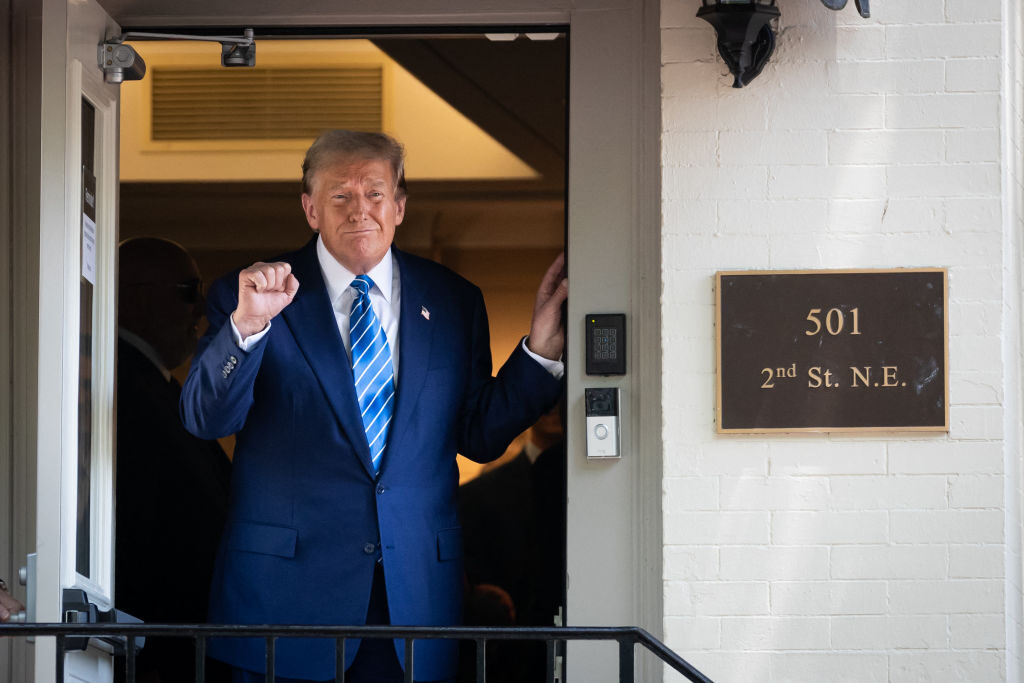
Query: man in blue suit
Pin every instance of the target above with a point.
(343, 494)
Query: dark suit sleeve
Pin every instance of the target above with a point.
(499, 408)
(218, 393)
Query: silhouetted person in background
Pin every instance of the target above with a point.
(513, 520)
(172, 488)
(488, 605)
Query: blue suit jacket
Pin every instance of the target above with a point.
(308, 517)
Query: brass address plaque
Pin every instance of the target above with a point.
(833, 350)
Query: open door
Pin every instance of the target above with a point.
(72, 567)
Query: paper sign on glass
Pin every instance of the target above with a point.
(89, 249)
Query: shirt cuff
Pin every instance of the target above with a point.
(250, 341)
(555, 367)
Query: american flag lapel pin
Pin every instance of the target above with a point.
(424, 312)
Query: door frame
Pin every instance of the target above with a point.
(46, 213)
(614, 191)
(21, 238)
(8, 564)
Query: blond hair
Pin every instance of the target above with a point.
(334, 145)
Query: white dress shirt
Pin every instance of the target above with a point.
(385, 298)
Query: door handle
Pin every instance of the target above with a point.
(27, 578)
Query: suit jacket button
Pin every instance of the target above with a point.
(370, 548)
(380, 489)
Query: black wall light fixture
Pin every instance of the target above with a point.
(863, 6)
(745, 36)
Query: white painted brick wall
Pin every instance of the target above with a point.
(966, 665)
(1013, 349)
(864, 143)
(972, 631)
(916, 561)
(833, 597)
(890, 632)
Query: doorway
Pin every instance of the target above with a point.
(484, 119)
(614, 513)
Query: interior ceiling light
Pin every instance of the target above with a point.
(508, 37)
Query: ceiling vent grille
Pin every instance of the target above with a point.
(264, 104)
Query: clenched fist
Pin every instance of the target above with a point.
(264, 289)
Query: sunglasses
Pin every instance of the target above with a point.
(189, 291)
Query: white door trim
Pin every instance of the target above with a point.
(8, 557)
(25, 72)
(85, 81)
(69, 29)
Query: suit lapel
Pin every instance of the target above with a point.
(415, 334)
(311, 321)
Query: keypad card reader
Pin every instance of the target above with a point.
(606, 344)
(602, 406)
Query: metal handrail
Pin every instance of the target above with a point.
(627, 637)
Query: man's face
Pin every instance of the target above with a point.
(354, 208)
(161, 300)
(184, 311)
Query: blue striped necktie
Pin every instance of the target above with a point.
(372, 368)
